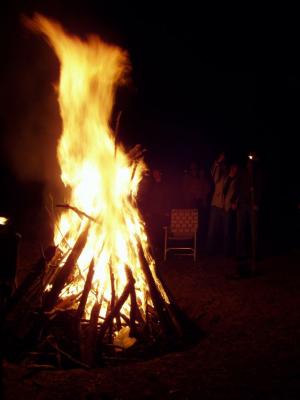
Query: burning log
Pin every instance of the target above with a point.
(34, 276)
(86, 290)
(159, 304)
(134, 310)
(89, 346)
(114, 311)
(77, 211)
(64, 273)
(117, 131)
(112, 302)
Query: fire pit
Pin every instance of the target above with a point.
(95, 295)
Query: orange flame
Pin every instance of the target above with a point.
(102, 177)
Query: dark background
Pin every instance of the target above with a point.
(204, 79)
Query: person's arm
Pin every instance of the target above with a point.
(217, 168)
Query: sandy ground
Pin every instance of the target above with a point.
(250, 348)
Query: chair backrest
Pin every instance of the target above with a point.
(184, 221)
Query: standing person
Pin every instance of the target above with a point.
(215, 226)
(248, 205)
(230, 194)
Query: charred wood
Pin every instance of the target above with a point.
(51, 297)
(159, 303)
(89, 341)
(78, 212)
(35, 275)
(114, 312)
(86, 290)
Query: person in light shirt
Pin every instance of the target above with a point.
(216, 218)
(230, 195)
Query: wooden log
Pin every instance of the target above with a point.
(174, 312)
(170, 311)
(53, 344)
(51, 297)
(78, 212)
(159, 303)
(114, 312)
(86, 291)
(126, 319)
(51, 270)
(118, 320)
(133, 303)
(112, 300)
(89, 345)
(134, 309)
(117, 132)
(32, 277)
(148, 326)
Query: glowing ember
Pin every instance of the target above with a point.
(102, 220)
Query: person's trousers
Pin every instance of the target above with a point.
(247, 234)
(215, 227)
(229, 232)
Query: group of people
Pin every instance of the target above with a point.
(235, 207)
(228, 201)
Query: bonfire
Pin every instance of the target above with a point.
(99, 280)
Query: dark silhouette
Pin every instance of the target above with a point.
(230, 197)
(216, 218)
(248, 206)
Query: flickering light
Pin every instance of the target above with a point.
(3, 220)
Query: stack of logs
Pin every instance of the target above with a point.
(37, 321)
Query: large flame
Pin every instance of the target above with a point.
(102, 178)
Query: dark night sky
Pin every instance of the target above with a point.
(203, 79)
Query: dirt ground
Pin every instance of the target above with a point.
(250, 348)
